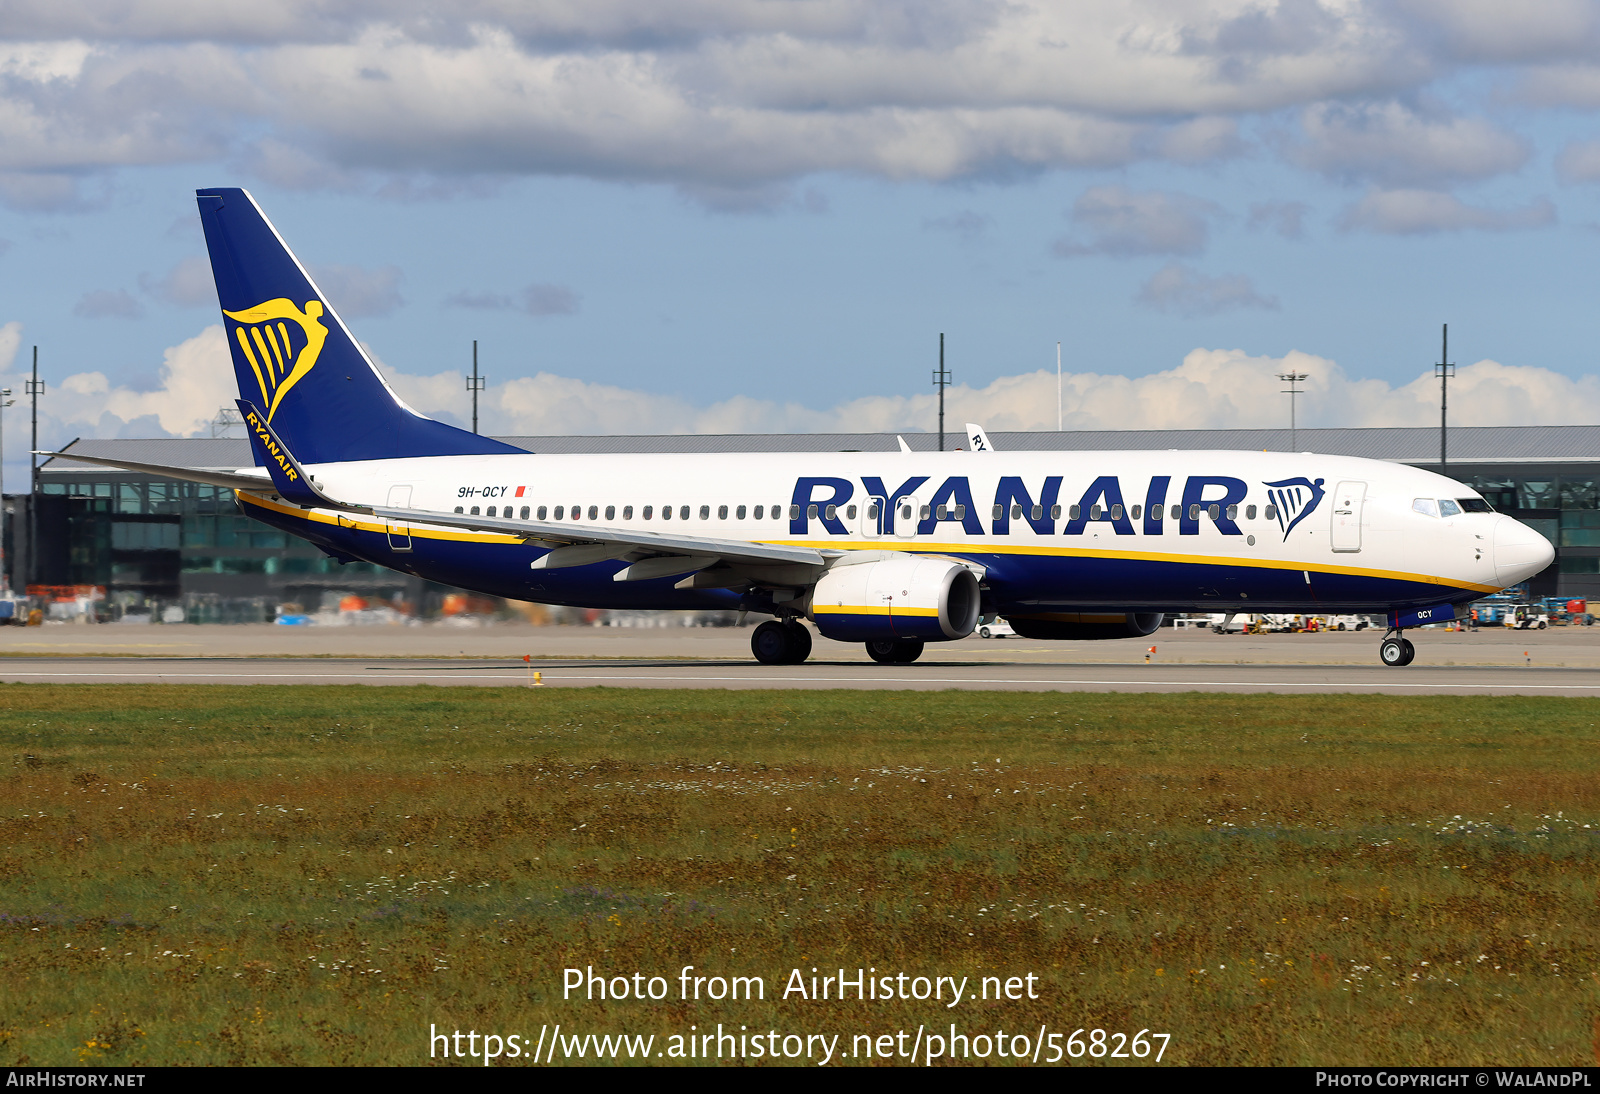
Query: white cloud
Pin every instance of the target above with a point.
(1209, 389)
(1396, 146)
(1422, 212)
(1579, 162)
(108, 304)
(1185, 290)
(356, 291)
(1489, 31)
(1123, 224)
(728, 97)
(1287, 218)
(549, 300)
(188, 284)
(194, 380)
(535, 300)
(966, 224)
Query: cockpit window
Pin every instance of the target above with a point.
(1474, 505)
(1448, 508)
(1426, 506)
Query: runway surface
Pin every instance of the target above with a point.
(1555, 662)
(1290, 664)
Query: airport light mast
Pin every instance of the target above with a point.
(1293, 379)
(1444, 369)
(941, 380)
(474, 385)
(5, 401)
(34, 389)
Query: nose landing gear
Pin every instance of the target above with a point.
(1395, 651)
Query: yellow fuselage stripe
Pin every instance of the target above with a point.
(341, 520)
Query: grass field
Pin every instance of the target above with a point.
(314, 875)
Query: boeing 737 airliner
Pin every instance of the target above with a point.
(890, 550)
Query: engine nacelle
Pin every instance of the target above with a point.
(901, 596)
(1086, 625)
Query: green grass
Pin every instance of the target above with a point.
(314, 875)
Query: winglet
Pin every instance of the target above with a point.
(288, 477)
(903, 446)
(978, 438)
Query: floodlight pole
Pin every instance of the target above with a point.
(941, 380)
(475, 385)
(35, 389)
(1444, 369)
(1293, 379)
(1058, 388)
(5, 401)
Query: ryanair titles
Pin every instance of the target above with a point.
(918, 507)
(270, 445)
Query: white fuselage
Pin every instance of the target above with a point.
(1236, 530)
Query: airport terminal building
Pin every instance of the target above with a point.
(182, 548)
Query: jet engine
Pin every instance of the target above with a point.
(895, 596)
(1085, 625)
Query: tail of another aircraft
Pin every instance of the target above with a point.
(294, 358)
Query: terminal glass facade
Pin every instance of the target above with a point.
(184, 550)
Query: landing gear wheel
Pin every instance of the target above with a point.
(881, 650)
(800, 642)
(908, 650)
(1394, 653)
(772, 643)
(1411, 651)
(894, 651)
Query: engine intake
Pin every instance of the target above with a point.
(1086, 625)
(901, 596)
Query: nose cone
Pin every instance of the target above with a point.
(1519, 551)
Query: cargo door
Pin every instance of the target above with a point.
(1348, 499)
(399, 534)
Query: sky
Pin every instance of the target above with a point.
(748, 215)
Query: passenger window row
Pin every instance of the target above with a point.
(648, 512)
(941, 512)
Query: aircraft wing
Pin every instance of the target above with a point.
(232, 480)
(613, 543)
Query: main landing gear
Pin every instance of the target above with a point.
(894, 651)
(785, 643)
(1396, 652)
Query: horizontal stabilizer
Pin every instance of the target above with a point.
(231, 480)
(288, 477)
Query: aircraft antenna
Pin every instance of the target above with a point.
(1444, 369)
(941, 380)
(474, 385)
(1293, 379)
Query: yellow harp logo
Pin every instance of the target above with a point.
(281, 342)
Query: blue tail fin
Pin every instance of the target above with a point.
(294, 358)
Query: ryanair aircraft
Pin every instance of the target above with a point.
(892, 550)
